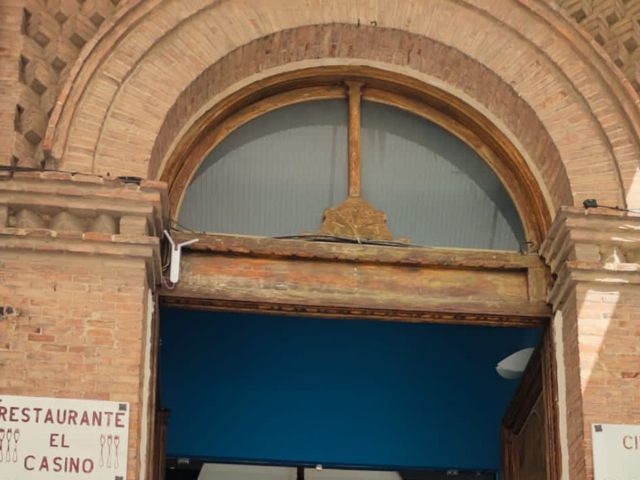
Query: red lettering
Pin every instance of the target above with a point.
(74, 465)
(59, 464)
(37, 410)
(120, 420)
(61, 417)
(85, 418)
(97, 419)
(13, 414)
(57, 440)
(72, 417)
(26, 459)
(3, 414)
(25, 415)
(108, 415)
(87, 465)
(49, 417)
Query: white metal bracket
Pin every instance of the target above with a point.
(176, 252)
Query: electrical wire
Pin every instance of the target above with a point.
(593, 203)
(314, 237)
(182, 228)
(17, 168)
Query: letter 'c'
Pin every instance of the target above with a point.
(26, 459)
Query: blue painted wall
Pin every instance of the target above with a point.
(336, 392)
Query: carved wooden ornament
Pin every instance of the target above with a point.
(355, 218)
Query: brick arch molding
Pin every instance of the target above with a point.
(156, 67)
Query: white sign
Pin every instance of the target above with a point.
(57, 438)
(616, 452)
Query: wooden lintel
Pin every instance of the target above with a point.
(251, 274)
(353, 252)
(389, 315)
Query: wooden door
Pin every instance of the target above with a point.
(529, 437)
(160, 443)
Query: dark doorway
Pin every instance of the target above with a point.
(421, 399)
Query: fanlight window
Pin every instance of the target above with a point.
(277, 174)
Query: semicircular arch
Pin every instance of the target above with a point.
(157, 67)
(380, 86)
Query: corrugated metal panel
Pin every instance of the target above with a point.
(277, 174)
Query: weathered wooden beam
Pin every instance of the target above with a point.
(378, 254)
(317, 278)
(355, 163)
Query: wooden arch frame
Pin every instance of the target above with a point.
(311, 84)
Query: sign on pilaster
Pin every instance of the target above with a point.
(56, 438)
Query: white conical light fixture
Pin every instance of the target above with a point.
(514, 365)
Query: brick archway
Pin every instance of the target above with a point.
(159, 65)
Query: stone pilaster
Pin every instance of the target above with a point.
(80, 263)
(594, 257)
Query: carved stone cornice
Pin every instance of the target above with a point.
(84, 214)
(587, 246)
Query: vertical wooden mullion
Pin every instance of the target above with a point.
(355, 165)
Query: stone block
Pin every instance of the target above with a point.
(42, 27)
(4, 216)
(60, 53)
(78, 30)
(29, 219)
(587, 252)
(97, 11)
(62, 10)
(24, 151)
(134, 225)
(103, 224)
(65, 221)
(34, 123)
(38, 76)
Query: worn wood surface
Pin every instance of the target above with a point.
(529, 427)
(356, 280)
(408, 255)
(355, 160)
(531, 445)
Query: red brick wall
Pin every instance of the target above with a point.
(595, 257)
(78, 333)
(609, 346)
(10, 46)
(573, 407)
(511, 52)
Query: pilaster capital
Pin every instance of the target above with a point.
(56, 212)
(587, 246)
